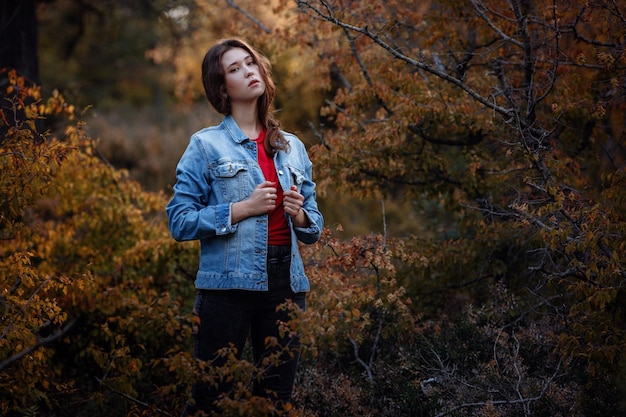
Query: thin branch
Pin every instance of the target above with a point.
(379, 332)
(319, 135)
(382, 205)
(343, 111)
(594, 42)
(128, 397)
(366, 367)
(41, 341)
(23, 308)
(523, 401)
(364, 70)
(411, 61)
(553, 72)
(479, 11)
(619, 13)
(247, 14)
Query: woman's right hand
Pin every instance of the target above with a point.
(261, 201)
(263, 198)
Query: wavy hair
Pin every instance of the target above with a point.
(215, 89)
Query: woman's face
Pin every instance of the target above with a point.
(242, 78)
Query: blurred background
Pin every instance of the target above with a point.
(132, 69)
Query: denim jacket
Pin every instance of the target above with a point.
(218, 168)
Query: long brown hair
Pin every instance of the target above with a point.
(215, 89)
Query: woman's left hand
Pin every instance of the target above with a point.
(292, 202)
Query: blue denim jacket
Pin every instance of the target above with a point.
(218, 168)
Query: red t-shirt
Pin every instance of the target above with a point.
(278, 231)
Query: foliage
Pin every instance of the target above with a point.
(506, 119)
(498, 124)
(372, 352)
(91, 281)
(108, 335)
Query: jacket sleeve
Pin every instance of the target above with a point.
(189, 214)
(312, 233)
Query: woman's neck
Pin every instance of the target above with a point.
(247, 120)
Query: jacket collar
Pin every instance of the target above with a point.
(233, 129)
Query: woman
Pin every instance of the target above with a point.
(244, 190)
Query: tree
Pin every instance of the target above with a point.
(511, 115)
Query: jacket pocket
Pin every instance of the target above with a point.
(233, 180)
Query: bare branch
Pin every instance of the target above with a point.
(595, 42)
(41, 341)
(319, 135)
(411, 61)
(247, 14)
(357, 358)
(361, 64)
(479, 8)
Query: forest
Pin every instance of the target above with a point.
(470, 161)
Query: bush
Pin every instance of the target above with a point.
(95, 292)
(96, 301)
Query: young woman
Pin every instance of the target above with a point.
(244, 190)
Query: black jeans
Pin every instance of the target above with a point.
(228, 316)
